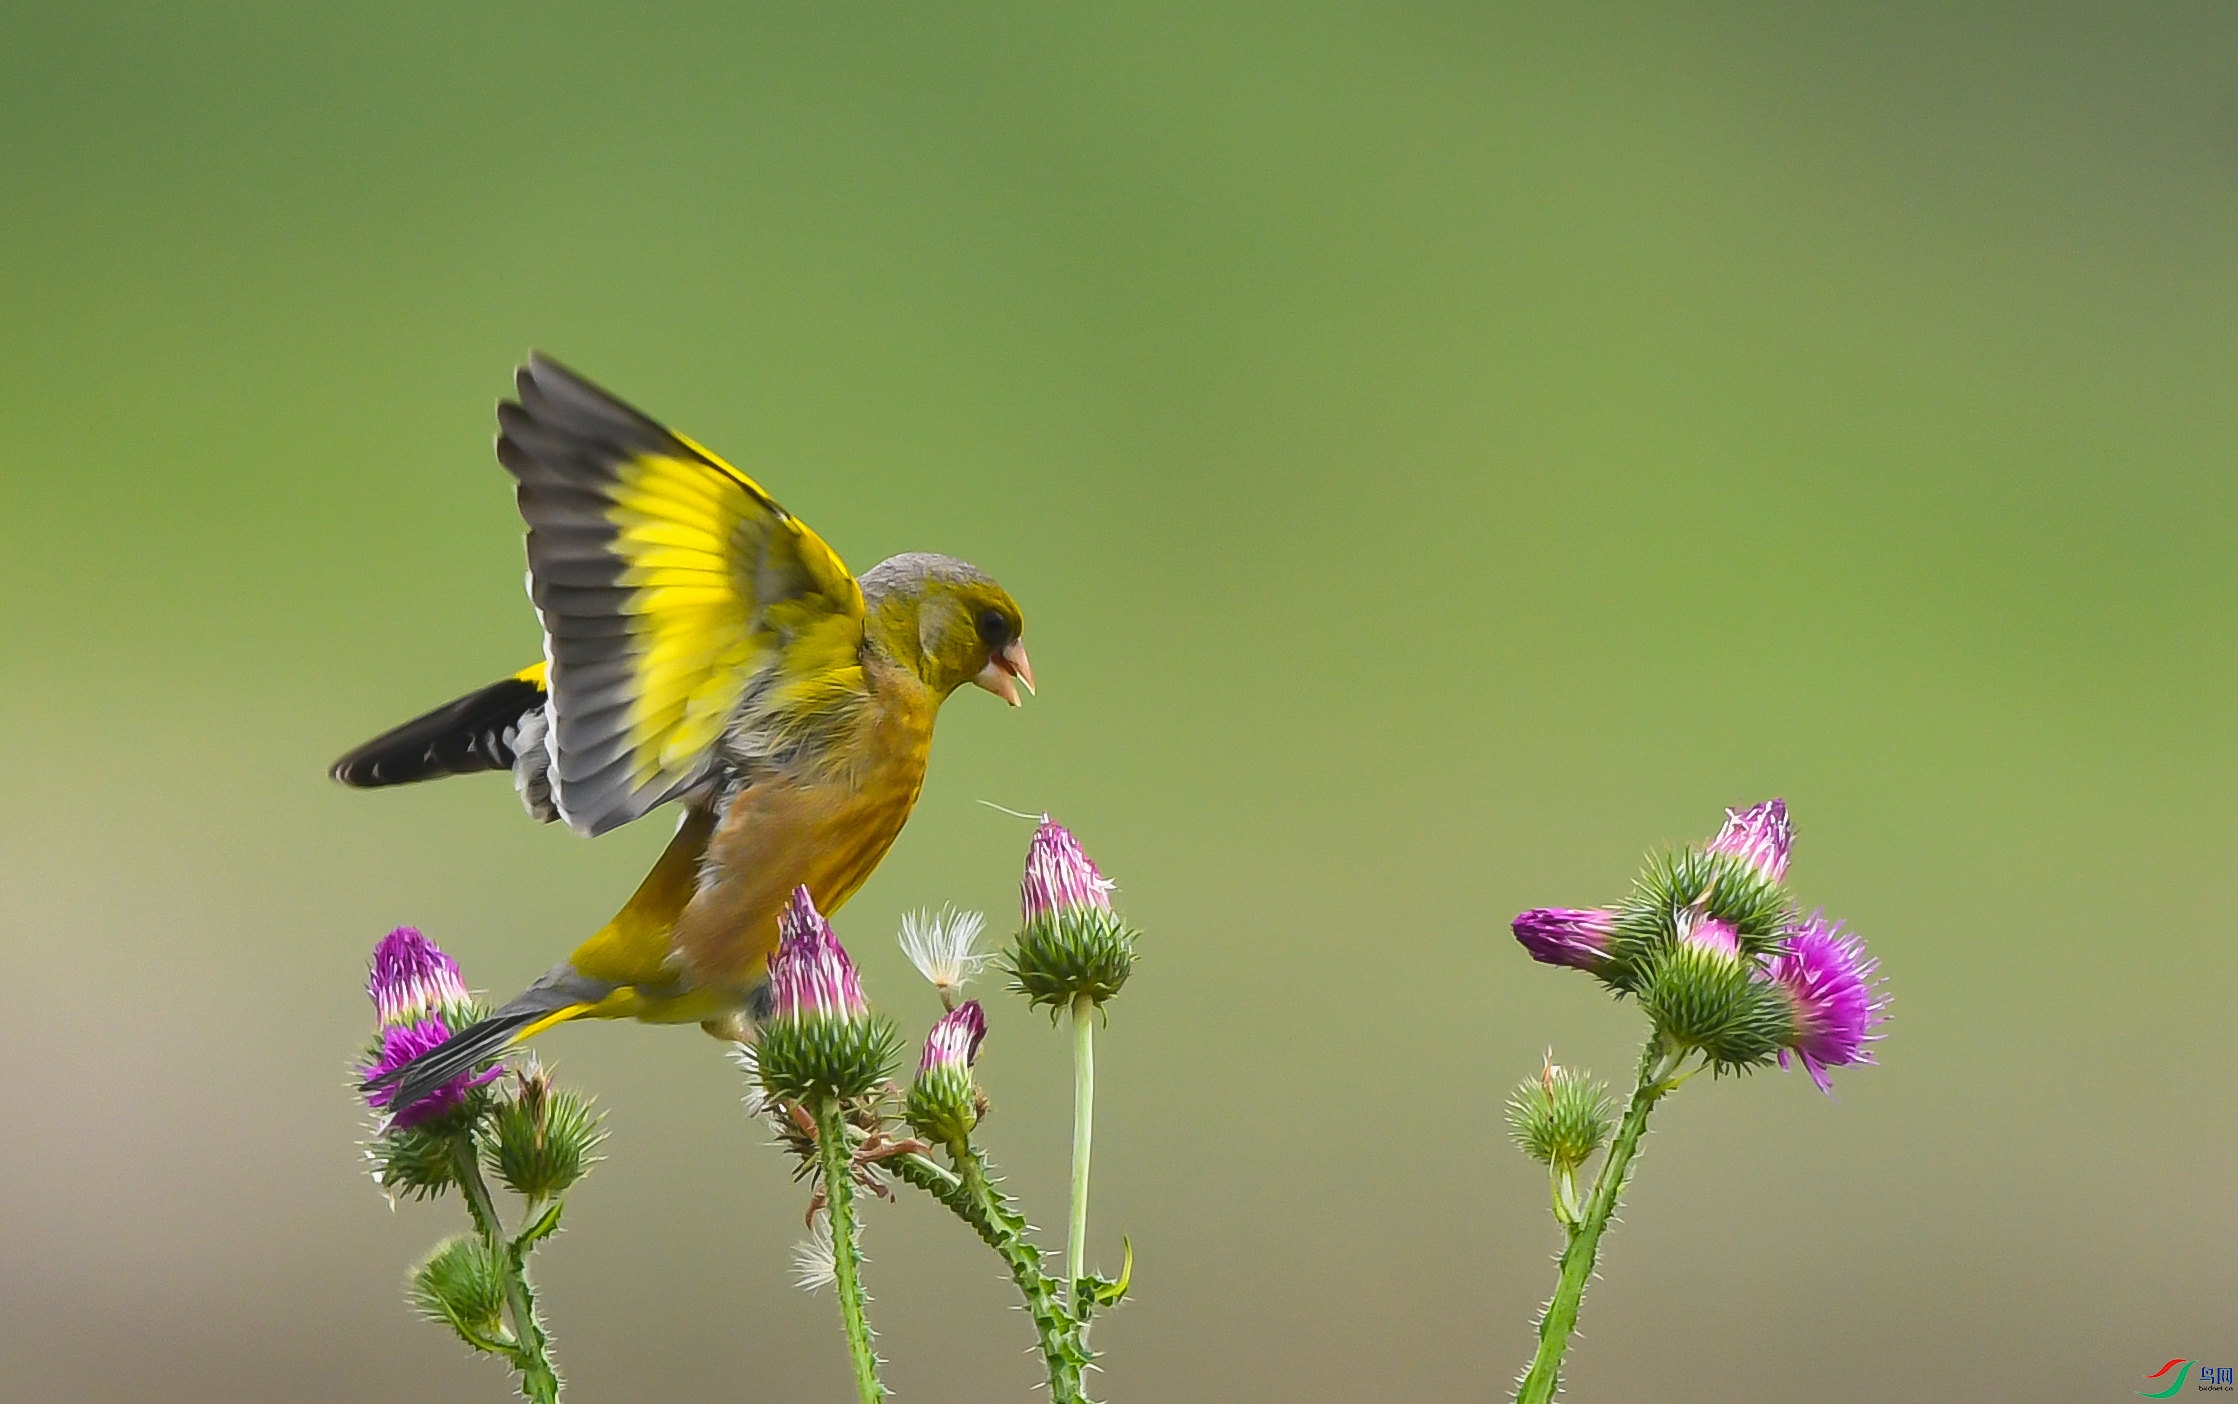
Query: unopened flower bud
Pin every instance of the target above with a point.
(545, 1137)
(459, 1284)
(1701, 995)
(1760, 837)
(1059, 877)
(821, 1039)
(943, 1105)
(1568, 936)
(415, 1162)
(1560, 1117)
(1070, 945)
(418, 1000)
(1714, 935)
(411, 979)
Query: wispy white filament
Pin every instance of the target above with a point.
(749, 1060)
(813, 1264)
(943, 945)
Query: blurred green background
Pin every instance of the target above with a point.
(1442, 452)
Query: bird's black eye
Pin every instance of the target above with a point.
(994, 628)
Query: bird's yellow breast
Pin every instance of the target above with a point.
(825, 822)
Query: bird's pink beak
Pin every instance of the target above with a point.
(1005, 670)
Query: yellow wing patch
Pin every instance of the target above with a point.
(697, 640)
(668, 582)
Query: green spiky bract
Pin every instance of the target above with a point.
(1715, 885)
(542, 1143)
(414, 1161)
(1082, 951)
(1706, 999)
(941, 1106)
(461, 1285)
(803, 1059)
(1560, 1118)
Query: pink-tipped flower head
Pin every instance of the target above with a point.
(954, 1042)
(1837, 1002)
(810, 976)
(1568, 936)
(1710, 933)
(412, 980)
(1071, 945)
(820, 1039)
(1059, 877)
(1759, 837)
(943, 1105)
(400, 1044)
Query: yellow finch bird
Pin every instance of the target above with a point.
(702, 646)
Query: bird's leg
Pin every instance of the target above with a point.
(733, 1027)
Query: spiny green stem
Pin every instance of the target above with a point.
(1083, 1132)
(1539, 1383)
(846, 1258)
(529, 1352)
(970, 1194)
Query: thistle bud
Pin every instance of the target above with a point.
(1760, 837)
(415, 1162)
(1717, 902)
(821, 1039)
(1560, 1117)
(1567, 936)
(459, 1284)
(1059, 877)
(1070, 943)
(943, 1105)
(1833, 998)
(418, 998)
(545, 1137)
(411, 980)
(1714, 935)
(1701, 994)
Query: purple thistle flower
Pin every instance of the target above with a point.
(400, 1044)
(1567, 936)
(1710, 933)
(1759, 837)
(1829, 981)
(953, 1044)
(412, 979)
(1059, 877)
(810, 976)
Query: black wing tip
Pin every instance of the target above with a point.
(547, 392)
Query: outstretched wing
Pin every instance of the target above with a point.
(667, 581)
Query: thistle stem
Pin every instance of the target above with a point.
(529, 1351)
(1656, 1065)
(970, 1194)
(1083, 1132)
(846, 1256)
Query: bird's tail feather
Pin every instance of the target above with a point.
(480, 731)
(555, 999)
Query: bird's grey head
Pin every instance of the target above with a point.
(949, 621)
(912, 571)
